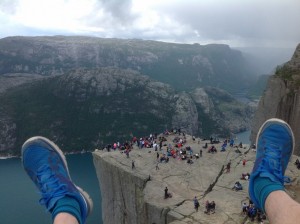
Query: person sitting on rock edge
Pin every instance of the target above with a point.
(237, 186)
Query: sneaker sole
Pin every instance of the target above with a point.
(87, 199)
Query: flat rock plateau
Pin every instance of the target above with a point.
(137, 195)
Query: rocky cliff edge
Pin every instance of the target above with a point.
(136, 196)
(281, 99)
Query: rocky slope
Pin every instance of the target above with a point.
(281, 98)
(137, 196)
(219, 112)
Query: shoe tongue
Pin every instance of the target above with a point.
(272, 151)
(45, 177)
(269, 176)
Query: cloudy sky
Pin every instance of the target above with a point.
(253, 23)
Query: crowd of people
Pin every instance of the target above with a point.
(253, 213)
(210, 207)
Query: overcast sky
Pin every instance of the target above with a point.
(254, 23)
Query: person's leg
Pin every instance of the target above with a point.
(281, 208)
(47, 167)
(65, 218)
(275, 145)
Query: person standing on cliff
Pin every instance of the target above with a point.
(47, 167)
(166, 193)
(228, 167)
(127, 153)
(196, 203)
(132, 165)
(160, 145)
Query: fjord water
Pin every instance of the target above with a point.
(19, 197)
(243, 137)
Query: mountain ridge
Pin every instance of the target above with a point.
(184, 66)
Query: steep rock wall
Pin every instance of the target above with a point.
(121, 195)
(281, 99)
(124, 201)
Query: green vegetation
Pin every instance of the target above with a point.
(288, 73)
(285, 72)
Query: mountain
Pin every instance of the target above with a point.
(281, 98)
(183, 66)
(85, 92)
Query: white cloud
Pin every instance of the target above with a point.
(54, 14)
(235, 22)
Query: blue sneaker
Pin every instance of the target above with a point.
(275, 144)
(47, 167)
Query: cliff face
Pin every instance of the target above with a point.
(123, 193)
(281, 98)
(220, 112)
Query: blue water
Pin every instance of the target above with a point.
(19, 197)
(243, 137)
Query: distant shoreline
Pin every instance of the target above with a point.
(8, 157)
(4, 157)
